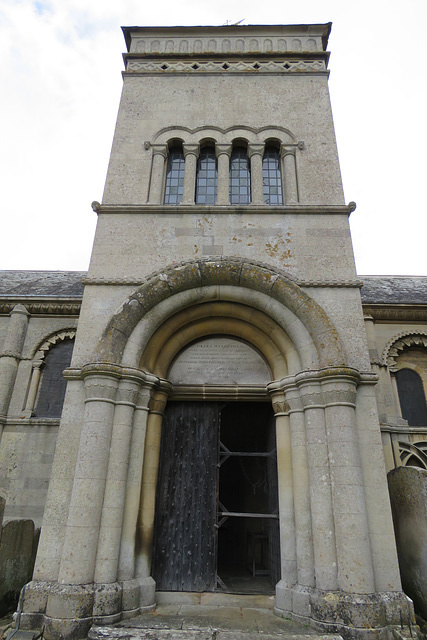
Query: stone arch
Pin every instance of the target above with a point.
(50, 341)
(235, 272)
(399, 343)
(219, 318)
(410, 452)
(218, 134)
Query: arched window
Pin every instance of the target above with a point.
(240, 177)
(53, 384)
(412, 397)
(272, 176)
(207, 177)
(174, 186)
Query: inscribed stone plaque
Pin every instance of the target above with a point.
(219, 361)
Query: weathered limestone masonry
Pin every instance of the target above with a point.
(38, 311)
(266, 262)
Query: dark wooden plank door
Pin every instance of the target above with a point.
(184, 553)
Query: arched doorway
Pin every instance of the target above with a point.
(216, 524)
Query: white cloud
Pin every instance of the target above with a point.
(60, 79)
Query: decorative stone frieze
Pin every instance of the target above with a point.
(150, 45)
(225, 66)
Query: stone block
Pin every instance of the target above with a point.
(408, 496)
(18, 545)
(147, 590)
(107, 601)
(69, 601)
(130, 595)
(36, 594)
(70, 628)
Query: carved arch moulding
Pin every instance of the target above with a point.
(225, 136)
(399, 343)
(53, 339)
(230, 272)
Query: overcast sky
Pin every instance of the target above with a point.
(60, 83)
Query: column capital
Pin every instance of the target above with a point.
(193, 149)
(223, 148)
(286, 150)
(255, 149)
(159, 399)
(160, 150)
(279, 404)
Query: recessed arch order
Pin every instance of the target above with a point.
(254, 285)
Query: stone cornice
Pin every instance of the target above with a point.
(227, 39)
(134, 282)
(397, 313)
(43, 307)
(116, 371)
(224, 209)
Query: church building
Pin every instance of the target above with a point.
(233, 393)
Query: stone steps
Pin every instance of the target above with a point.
(221, 617)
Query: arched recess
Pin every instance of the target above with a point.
(188, 325)
(223, 274)
(220, 318)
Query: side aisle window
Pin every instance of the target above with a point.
(411, 397)
(53, 384)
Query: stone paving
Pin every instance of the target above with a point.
(207, 622)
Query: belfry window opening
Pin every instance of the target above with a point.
(174, 186)
(207, 176)
(272, 176)
(240, 177)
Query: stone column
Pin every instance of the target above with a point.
(289, 175)
(149, 483)
(286, 504)
(128, 549)
(383, 544)
(160, 153)
(55, 514)
(34, 385)
(69, 608)
(255, 153)
(324, 550)
(191, 153)
(223, 153)
(10, 357)
(355, 571)
(84, 518)
(108, 601)
(302, 510)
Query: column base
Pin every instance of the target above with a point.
(354, 616)
(67, 611)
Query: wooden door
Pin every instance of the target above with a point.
(184, 553)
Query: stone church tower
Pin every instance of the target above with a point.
(220, 411)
